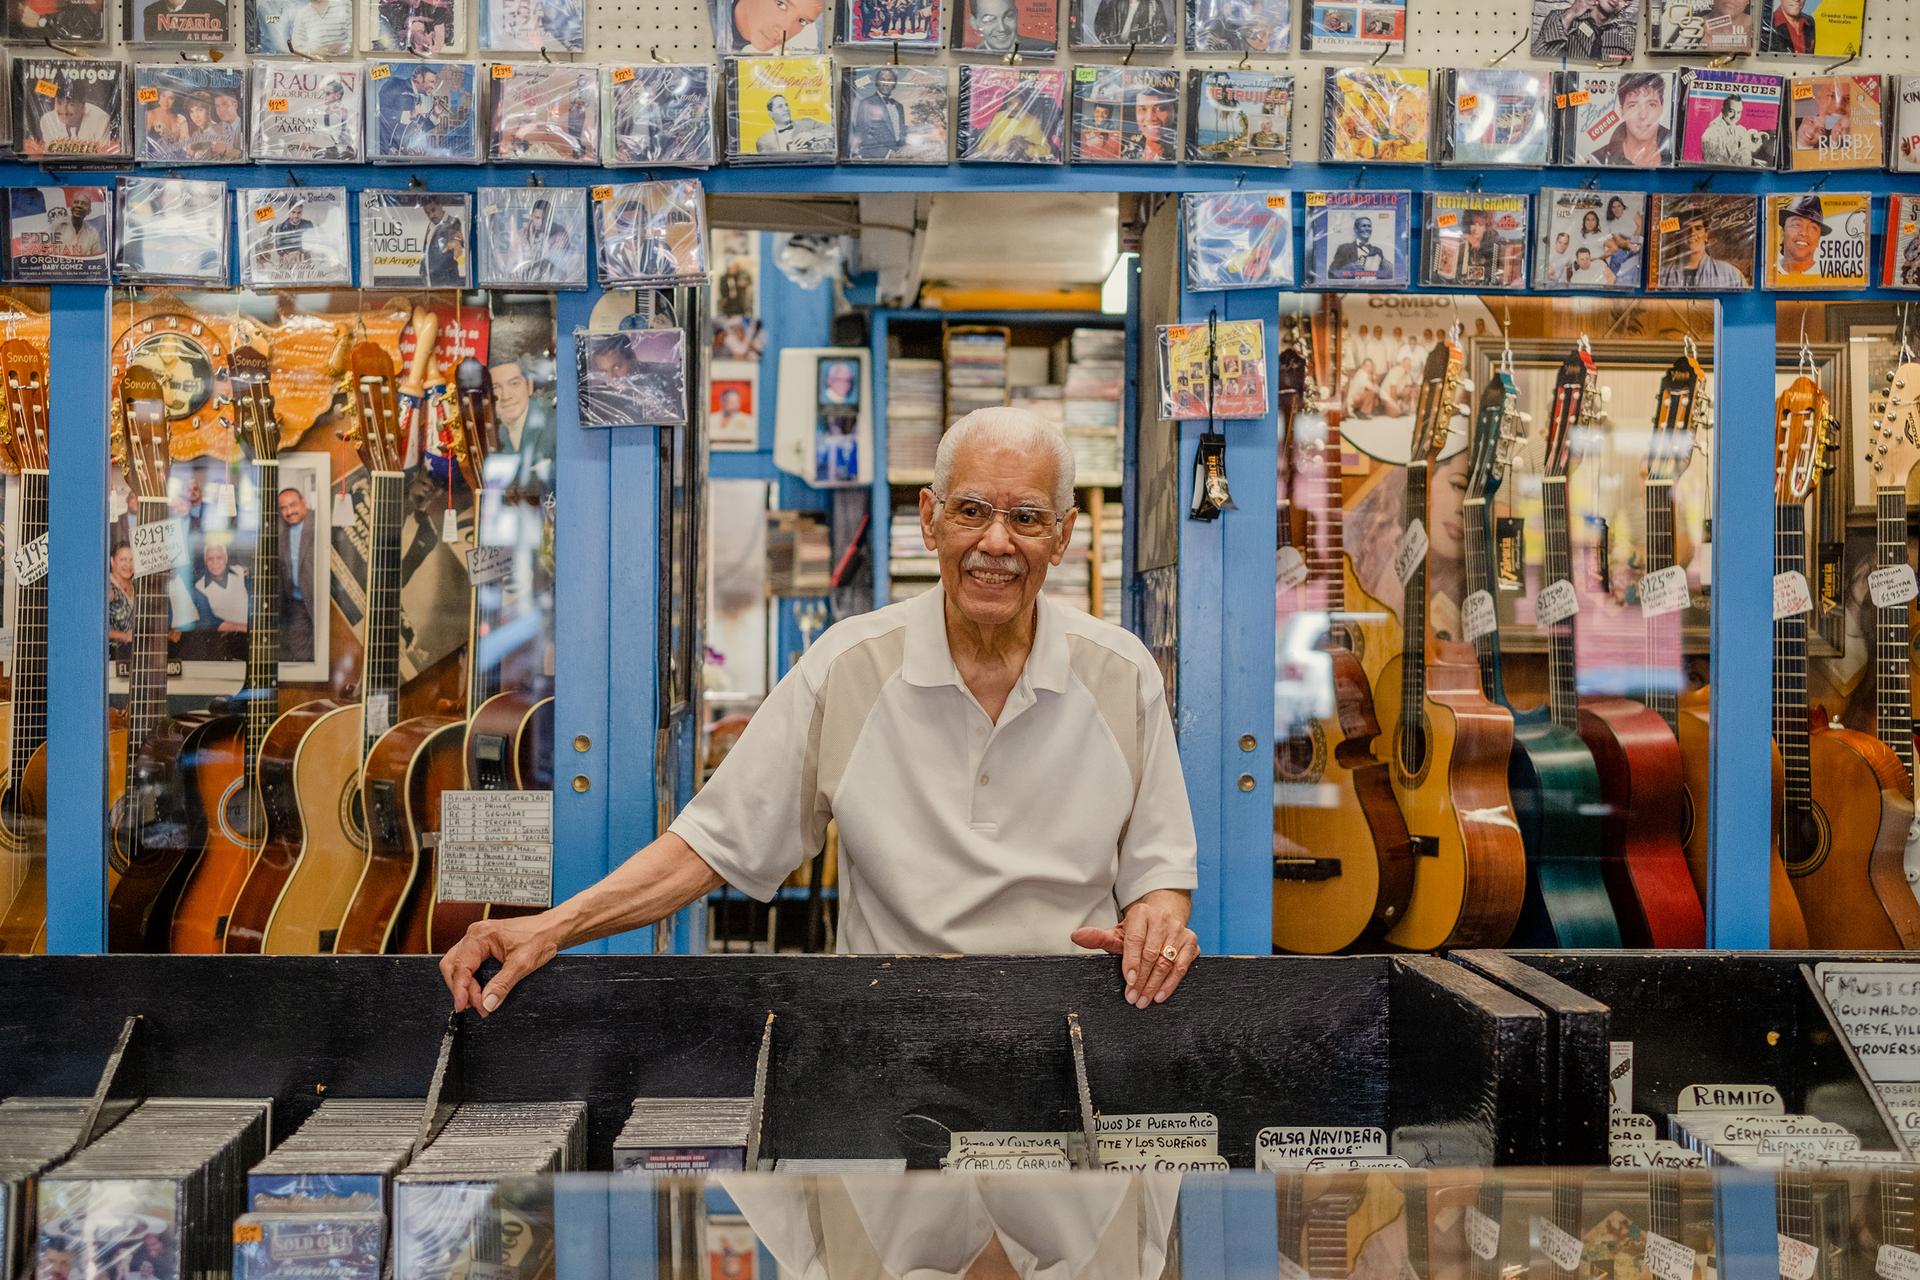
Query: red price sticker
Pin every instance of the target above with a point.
(503, 71)
(621, 75)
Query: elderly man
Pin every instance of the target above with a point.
(1002, 769)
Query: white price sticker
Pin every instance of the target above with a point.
(1668, 1259)
(379, 713)
(1895, 1263)
(30, 562)
(1556, 602)
(1412, 551)
(1291, 569)
(488, 564)
(1483, 1234)
(157, 547)
(1892, 584)
(1791, 598)
(1797, 1258)
(1562, 1247)
(1664, 591)
(1477, 616)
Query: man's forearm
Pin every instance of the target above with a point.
(1177, 901)
(648, 887)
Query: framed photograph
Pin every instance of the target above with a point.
(733, 404)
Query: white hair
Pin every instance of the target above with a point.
(1018, 429)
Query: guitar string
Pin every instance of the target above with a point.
(1892, 715)
(28, 723)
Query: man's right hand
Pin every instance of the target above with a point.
(521, 944)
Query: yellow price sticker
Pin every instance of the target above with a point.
(46, 88)
(379, 71)
(621, 75)
(148, 95)
(1469, 101)
(247, 1233)
(602, 192)
(277, 105)
(263, 214)
(1802, 92)
(1579, 98)
(503, 71)
(1316, 199)
(1276, 202)
(1560, 101)
(1669, 224)
(1447, 220)
(1908, 228)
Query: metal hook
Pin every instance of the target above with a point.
(293, 179)
(71, 53)
(1358, 178)
(1852, 57)
(654, 53)
(896, 53)
(1245, 54)
(1705, 184)
(1127, 61)
(1591, 184)
(415, 182)
(1506, 341)
(1381, 56)
(300, 53)
(1724, 60)
(1503, 57)
(1240, 180)
(1473, 183)
(543, 56)
(1012, 58)
(533, 180)
(783, 45)
(1823, 180)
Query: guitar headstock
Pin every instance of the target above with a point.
(1439, 393)
(375, 430)
(141, 438)
(477, 432)
(1676, 416)
(1497, 435)
(1575, 397)
(253, 404)
(1290, 381)
(25, 425)
(1893, 441)
(1804, 438)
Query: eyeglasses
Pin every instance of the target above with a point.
(1024, 522)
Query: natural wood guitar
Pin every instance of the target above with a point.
(23, 789)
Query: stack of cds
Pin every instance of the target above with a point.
(684, 1135)
(1096, 377)
(976, 371)
(913, 414)
(913, 568)
(157, 1195)
(34, 1132)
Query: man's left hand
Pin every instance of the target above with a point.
(1153, 929)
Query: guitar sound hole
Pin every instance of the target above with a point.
(244, 819)
(1410, 750)
(1302, 756)
(1807, 842)
(117, 824)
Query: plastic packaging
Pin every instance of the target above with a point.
(1902, 267)
(1376, 115)
(1475, 240)
(655, 114)
(1013, 115)
(1001, 27)
(651, 234)
(895, 115)
(750, 27)
(1730, 119)
(306, 112)
(190, 115)
(294, 236)
(1239, 117)
(1125, 114)
(297, 27)
(414, 239)
(1120, 24)
(1836, 122)
(1237, 384)
(1584, 31)
(1701, 242)
(1700, 26)
(533, 237)
(69, 22)
(170, 231)
(1617, 119)
(423, 111)
(1238, 239)
(1590, 239)
(1240, 26)
(1817, 240)
(1903, 154)
(1828, 29)
(167, 23)
(533, 26)
(1340, 26)
(1495, 117)
(66, 107)
(58, 234)
(425, 28)
(636, 377)
(1358, 239)
(780, 110)
(544, 114)
(911, 24)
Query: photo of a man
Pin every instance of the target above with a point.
(1644, 137)
(731, 422)
(1359, 258)
(878, 124)
(444, 265)
(1600, 31)
(1688, 262)
(1729, 143)
(767, 26)
(839, 382)
(791, 133)
(1801, 225)
(1122, 23)
(77, 235)
(1152, 135)
(1791, 30)
(298, 601)
(992, 25)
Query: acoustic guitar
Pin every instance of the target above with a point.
(23, 789)
(1899, 1196)
(1844, 819)
(1448, 743)
(1893, 449)
(154, 830)
(1342, 862)
(1635, 745)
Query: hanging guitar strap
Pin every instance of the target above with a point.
(1210, 493)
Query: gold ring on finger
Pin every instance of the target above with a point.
(1171, 953)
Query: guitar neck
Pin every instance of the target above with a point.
(1563, 693)
(483, 615)
(1476, 516)
(1897, 1210)
(1663, 1204)
(1790, 674)
(380, 681)
(1663, 632)
(1893, 714)
(1793, 1208)
(1413, 626)
(27, 729)
(147, 665)
(263, 618)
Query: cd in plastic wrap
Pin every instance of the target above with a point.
(1730, 119)
(1236, 386)
(1701, 242)
(752, 27)
(294, 236)
(190, 115)
(533, 26)
(651, 234)
(1240, 26)
(1700, 26)
(307, 112)
(1496, 117)
(1836, 122)
(1596, 32)
(414, 239)
(1002, 27)
(1375, 115)
(1012, 115)
(656, 114)
(1369, 28)
(1125, 114)
(780, 110)
(633, 378)
(423, 111)
(70, 108)
(1237, 239)
(1617, 119)
(911, 24)
(170, 231)
(1359, 239)
(108, 1227)
(545, 114)
(1902, 267)
(1812, 28)
(1239, 117)
(153, 23)
(1817, 240)
(895, 115)
(318, 30)
(1590, 239)
(1903, 156)
(1120, 24)
(58, 234)
(533, 237)
(424, 28)
(67, 22)
(308, 1246)
(1475, 240)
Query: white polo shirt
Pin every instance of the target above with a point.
(957, 834)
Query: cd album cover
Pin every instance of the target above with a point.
(1125, 114)
(1007, 26)
(1812, 28)
(1496, 117)
(1904, 154)
(780, 110)
(170, 231)
(1375, 115)
(70, 107)
(1836, 122)
(1475, 240)
(413, 239)
(912, 24)
(426, 28)
(1359, 239)
(1730, 119)
(783, 27)
(1238, 239)
(65, 21)
(1617, 119)
(1700, 26)
(178, 22)
(1590, 239)
(658, 114)
(1702, 242)
(533, 26)
(1012, 114)
(545, 114)
(58, 234)
(1120, 24)
(532, 237)
(895, 115)
(1239, 117)
(1240, 26)
(316, 28)
(1368, 28)
(306, 111)
(637, 377)
(294, 236)
(1902, 267)
(423, 111)
(651, 233)
(1818, 240)
(190, 115)
(307, 1246)
(1238, 380)
(1600, 32)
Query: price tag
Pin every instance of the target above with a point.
(1668, 1259)
(1560, 101)
(148, 94)
(1447, 220)
(1316, 199)
(46, 88)
(1791, 598)
(622, 75)
(1477, 616)
(1664, 591)
(1483, 1234)
(1083, 74)
(489, 564)
(1562, 1247)
(277, 105)
(247, 1233)
(450, 528)
(342, 510)
(1412, 551)
(1291, 1270)
(30, 562)
(1895, 1263)
(264, 213)
(157, 547)
(602, 192)
(1291, 569)
(1892, 584)
(1797, 1258)
(379, 71)
(1802, 92)
(1556, 602)
(1579, 98)
(379, 710)
(1669, 224)
(1468, 101)
(1277, 202)
(1908, 228)
(503, 71)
